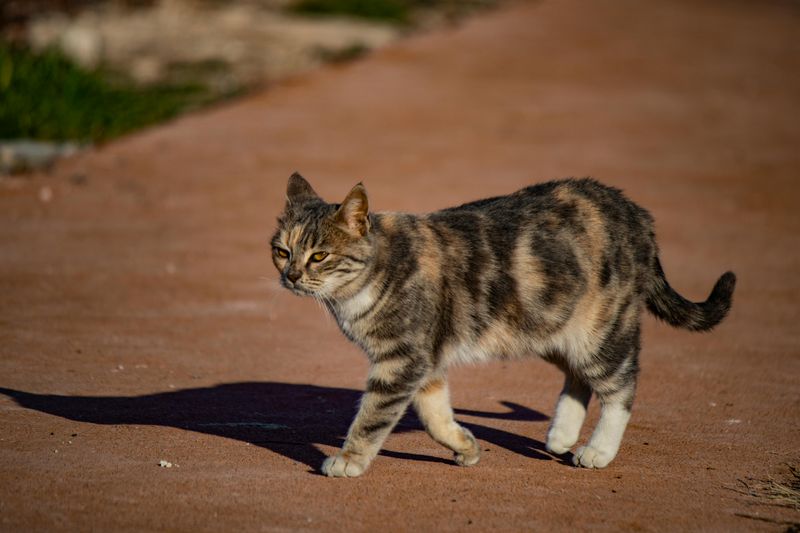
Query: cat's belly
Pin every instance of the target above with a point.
(575, 342)
(499, 341)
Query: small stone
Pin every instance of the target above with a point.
(164, 464)
(45, 194)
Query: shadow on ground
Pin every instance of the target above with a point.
(289, 419)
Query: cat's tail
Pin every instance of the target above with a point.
(675, 310)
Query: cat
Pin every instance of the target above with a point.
(561, 270)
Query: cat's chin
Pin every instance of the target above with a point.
(299, 291)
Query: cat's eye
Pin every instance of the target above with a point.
(319, 256)
(281, 252)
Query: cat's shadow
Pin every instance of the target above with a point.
(289, 419)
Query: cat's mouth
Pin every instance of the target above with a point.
(296, 289)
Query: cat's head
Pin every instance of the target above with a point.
(320, 249)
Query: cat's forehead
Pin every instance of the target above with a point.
(303, 228)
(298, 233)
(306, 212)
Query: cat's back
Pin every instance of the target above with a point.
(558, 196)
(583, 211)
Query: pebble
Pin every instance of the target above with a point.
(45, 194)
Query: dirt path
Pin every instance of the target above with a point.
(140, 318)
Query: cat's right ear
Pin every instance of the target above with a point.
(299, 190)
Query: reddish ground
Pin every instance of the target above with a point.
(141, 320)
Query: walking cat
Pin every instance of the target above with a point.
(561, 270)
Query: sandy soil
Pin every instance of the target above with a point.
(141, 320)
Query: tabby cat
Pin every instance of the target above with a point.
(561, 270)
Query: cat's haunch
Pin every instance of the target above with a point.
(560, 270)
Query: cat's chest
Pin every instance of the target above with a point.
(351, 314)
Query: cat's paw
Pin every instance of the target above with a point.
(344, 464)
(559, 443)
(591, 457)
(472, 454)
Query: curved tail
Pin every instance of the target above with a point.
(675, 310)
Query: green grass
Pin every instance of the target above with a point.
(45, 96)
(399, 12)
(392, 11)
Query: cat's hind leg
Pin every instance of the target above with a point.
(570, 413)
(432, 403)
(607, 437)
(615, 387)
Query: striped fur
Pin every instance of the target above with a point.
(561, 270)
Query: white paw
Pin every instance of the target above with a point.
(472, 455)
(591, 457)
(343, 465)
(559, 443)
(463, 459)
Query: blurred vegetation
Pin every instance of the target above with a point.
(398, 12)
(45, 96)
(389, 11)
(344, 55)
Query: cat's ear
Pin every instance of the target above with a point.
(299, 190)
(353, 213)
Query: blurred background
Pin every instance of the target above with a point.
(136, 283)
(74, 72)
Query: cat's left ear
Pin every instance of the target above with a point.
(353, 214)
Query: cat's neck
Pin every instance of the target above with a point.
(357, 304)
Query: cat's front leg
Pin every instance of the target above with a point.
(390, 387)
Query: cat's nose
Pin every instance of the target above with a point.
(294, 275)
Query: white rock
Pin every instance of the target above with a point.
(22, 155)
(84, 45)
